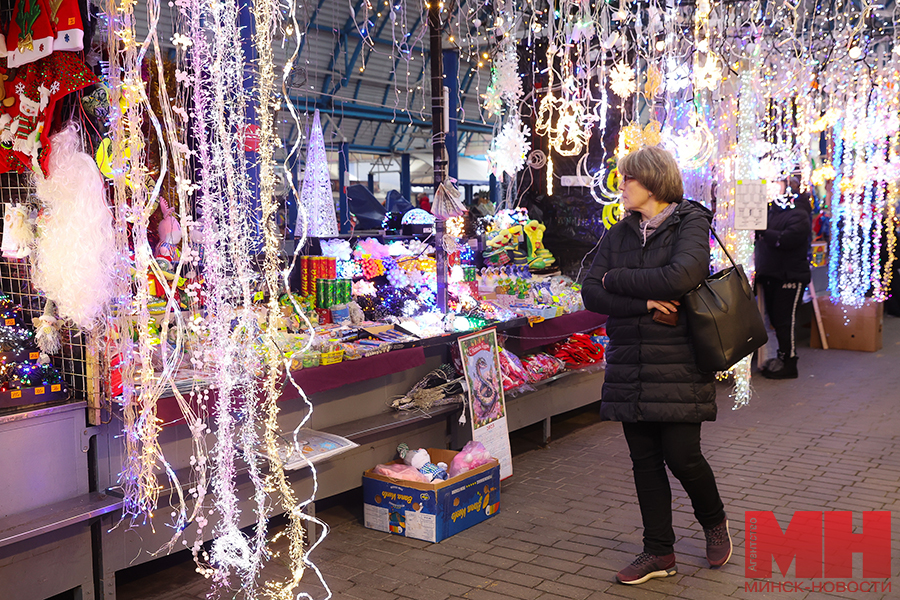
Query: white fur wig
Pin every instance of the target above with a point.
(75, 254)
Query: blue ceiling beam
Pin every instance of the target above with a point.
(376, 114)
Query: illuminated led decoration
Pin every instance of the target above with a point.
(827, 120)
(569, 135)
(621, 81)
(632, 137)
(417, 216)
(692, 146)
(506, 81)
(128, 102)
(678, 76)
(822, 175)
(316, 199)
(509, 148)
(493, 103)
(708, 75)
(866, 171)
(653, 83)
(605, 184)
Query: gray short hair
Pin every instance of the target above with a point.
(656, 170)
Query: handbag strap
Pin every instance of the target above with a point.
(724, 249)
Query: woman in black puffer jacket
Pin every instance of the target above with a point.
(645, 264)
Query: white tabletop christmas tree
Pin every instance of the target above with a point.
(316, 199)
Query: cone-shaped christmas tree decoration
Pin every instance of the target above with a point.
(316, 199)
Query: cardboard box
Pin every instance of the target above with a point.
(431, 511)
(848, 327)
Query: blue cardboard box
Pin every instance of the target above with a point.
(431, 511)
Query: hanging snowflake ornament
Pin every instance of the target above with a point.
(509, 149)
(493, 104)
(505, 75)
(621, 80)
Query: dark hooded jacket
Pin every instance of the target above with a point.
(651, 372)
(782, 249)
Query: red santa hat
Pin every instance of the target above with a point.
(31, 33)
(69, 28)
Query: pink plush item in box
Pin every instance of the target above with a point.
(401, 471)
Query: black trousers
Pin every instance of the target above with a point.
(782, 298)
(652, 447)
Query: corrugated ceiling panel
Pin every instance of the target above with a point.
(385, 83)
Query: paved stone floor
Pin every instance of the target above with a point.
(829, 440)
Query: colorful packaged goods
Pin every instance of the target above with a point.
(541, 366)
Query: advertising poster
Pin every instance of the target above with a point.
(481, 366)
(751, 208)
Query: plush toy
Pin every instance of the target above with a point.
(421, 460)
(18, 230)
(500, 239)
(169, 235)
(167, 253)
(46, 330)
(505, 246)
(538, 256)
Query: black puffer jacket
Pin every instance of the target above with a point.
(651, 372)
(782, 250)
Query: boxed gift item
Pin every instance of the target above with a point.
(432, 511)
(848, 327)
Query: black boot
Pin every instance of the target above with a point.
(781, 368)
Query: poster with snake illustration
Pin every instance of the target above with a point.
(481, 366)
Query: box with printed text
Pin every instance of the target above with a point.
(431, 511)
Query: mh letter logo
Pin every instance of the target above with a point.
(822, 543)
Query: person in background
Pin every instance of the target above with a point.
(424, 203)
(485, 206)
(782, 271)
(645, 264)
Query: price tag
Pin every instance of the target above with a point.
(533, 320)
(34, 356)
(258, 296)
(39, 390)
(10, 322)
(56, 387)
(16, 394)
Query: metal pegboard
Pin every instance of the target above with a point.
(77, 361)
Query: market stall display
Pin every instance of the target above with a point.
(182, 218)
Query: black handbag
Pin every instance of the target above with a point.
(723, 319)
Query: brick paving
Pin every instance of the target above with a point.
(829, 440)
